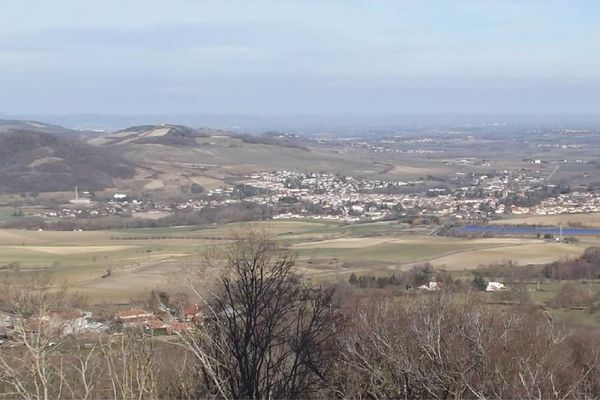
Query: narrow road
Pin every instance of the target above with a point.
(553, 172)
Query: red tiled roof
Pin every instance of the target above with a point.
(133, 313)
(154, 323)
(65, 315)
(191, 309)
(179, 326)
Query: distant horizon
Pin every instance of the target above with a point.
(315, 122)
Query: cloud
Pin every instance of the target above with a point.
(309, 55)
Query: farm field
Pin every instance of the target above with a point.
(145, 259)
(527, 253)
(388, 249)
(590, 220)
(139, 259)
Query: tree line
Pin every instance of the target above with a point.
(226, 213)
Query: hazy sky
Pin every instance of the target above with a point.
(278, 57)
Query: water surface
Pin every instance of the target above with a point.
(526, 230)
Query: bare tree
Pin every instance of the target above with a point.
(432, 346)
(266, 335)
(44, 363)
(130, 366)
(29, 370)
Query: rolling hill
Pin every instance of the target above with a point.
(166, 160)
(172, 160)
(169, 135)
(11, 125)
(35, 161)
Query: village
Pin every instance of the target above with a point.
(157, 319)
(476, 198)
(296, 195)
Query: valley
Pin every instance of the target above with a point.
(299, 200)
(375, 205)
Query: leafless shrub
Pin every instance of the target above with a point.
(572, 295)
(43, 363)
(434, 347)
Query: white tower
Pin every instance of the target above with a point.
(561, 233)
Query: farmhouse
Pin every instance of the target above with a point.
(132, 317)
(431, 286)
(495, 287)
(191, 312)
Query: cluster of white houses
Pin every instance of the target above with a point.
(350, 199)
(294, 194)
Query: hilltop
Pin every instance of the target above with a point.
(173, 161)
(172, 158)
(180, 135)
(169, 135)
(35, 161)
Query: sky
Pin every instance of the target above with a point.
(258, 57)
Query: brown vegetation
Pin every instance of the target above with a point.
(40, 162)
(265, 334)
(432, 347)
(585, 267)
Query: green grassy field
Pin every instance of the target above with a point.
(6, 213)
(398, 253)
(591, 220)
(142, 259)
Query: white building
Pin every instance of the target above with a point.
(495, 287)
(431, 286)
